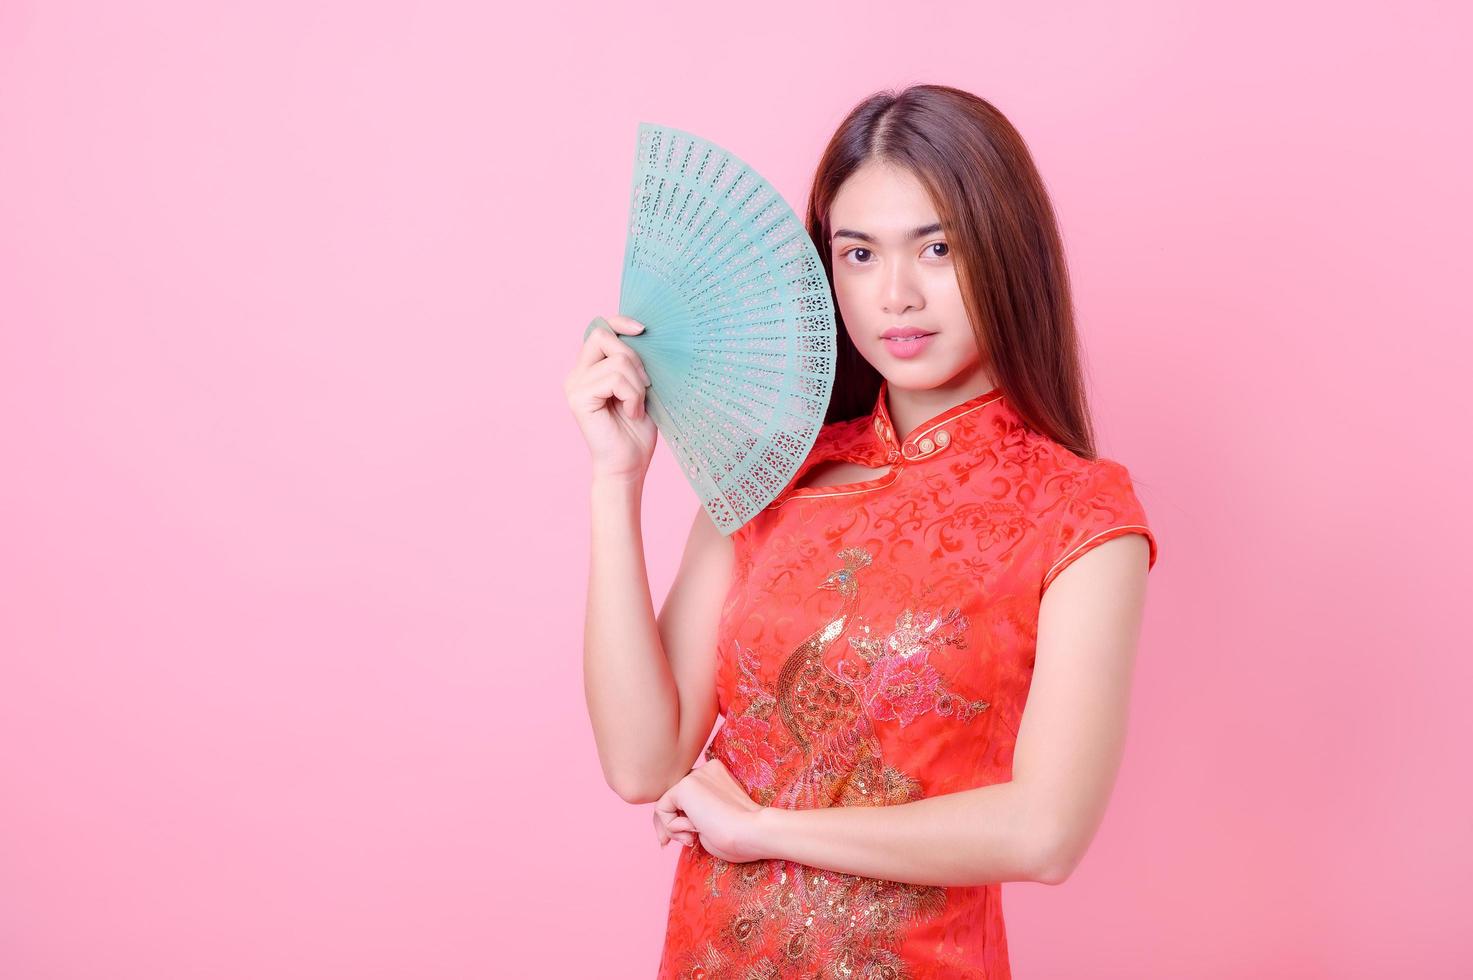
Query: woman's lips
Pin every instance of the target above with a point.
(907, 346)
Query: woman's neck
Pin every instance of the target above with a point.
(909, 407)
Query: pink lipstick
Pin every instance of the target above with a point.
(906, 341)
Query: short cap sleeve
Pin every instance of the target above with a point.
(1102, 508)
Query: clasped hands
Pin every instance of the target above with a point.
(710, 804)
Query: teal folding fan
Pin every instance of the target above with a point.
(739, 338)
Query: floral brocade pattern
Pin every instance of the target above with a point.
(876, 648)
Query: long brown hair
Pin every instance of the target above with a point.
(1009, 256)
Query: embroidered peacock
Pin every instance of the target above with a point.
(829, 712)
(833, 758)
(822, 709)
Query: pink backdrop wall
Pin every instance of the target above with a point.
(294, 517)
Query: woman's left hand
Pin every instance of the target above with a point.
(709, 802)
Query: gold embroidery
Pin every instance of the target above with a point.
(811, 742)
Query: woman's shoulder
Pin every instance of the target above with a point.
(1061, 470)
(1088, 501)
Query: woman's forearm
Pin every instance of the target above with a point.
(972, 837)
(632, 698)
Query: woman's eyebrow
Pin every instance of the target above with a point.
(918, 233)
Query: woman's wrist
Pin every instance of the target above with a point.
(606, 483)
(766, 830)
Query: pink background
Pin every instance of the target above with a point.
(295, 515)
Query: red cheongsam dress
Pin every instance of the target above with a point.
(876, 647)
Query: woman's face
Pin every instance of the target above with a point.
(887, 277)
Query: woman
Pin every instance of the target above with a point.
(951, 548)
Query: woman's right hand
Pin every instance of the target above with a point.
(605, 391)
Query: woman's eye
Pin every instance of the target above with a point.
(861, 255)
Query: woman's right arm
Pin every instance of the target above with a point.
(651, 686)
(650, 682)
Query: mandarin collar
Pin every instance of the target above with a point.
(932, 437)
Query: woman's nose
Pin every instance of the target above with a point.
(900, 291)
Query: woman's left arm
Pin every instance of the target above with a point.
(1037, 826)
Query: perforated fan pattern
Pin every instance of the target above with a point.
(739, 338)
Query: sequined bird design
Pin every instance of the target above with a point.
(828, 923)
(819, 707)
(828, 711)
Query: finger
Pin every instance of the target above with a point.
(624, 324)
(688, 838)
(630, 370)
(612, 381)
(615, 323)
(604, 346)
(636, 366)
(679, 824)
(623, 362)
(601, 376)
(661, 834)
(596, 346)
(601, 342)
(623, 354)
(629, 397)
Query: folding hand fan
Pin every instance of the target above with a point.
(739, 338)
